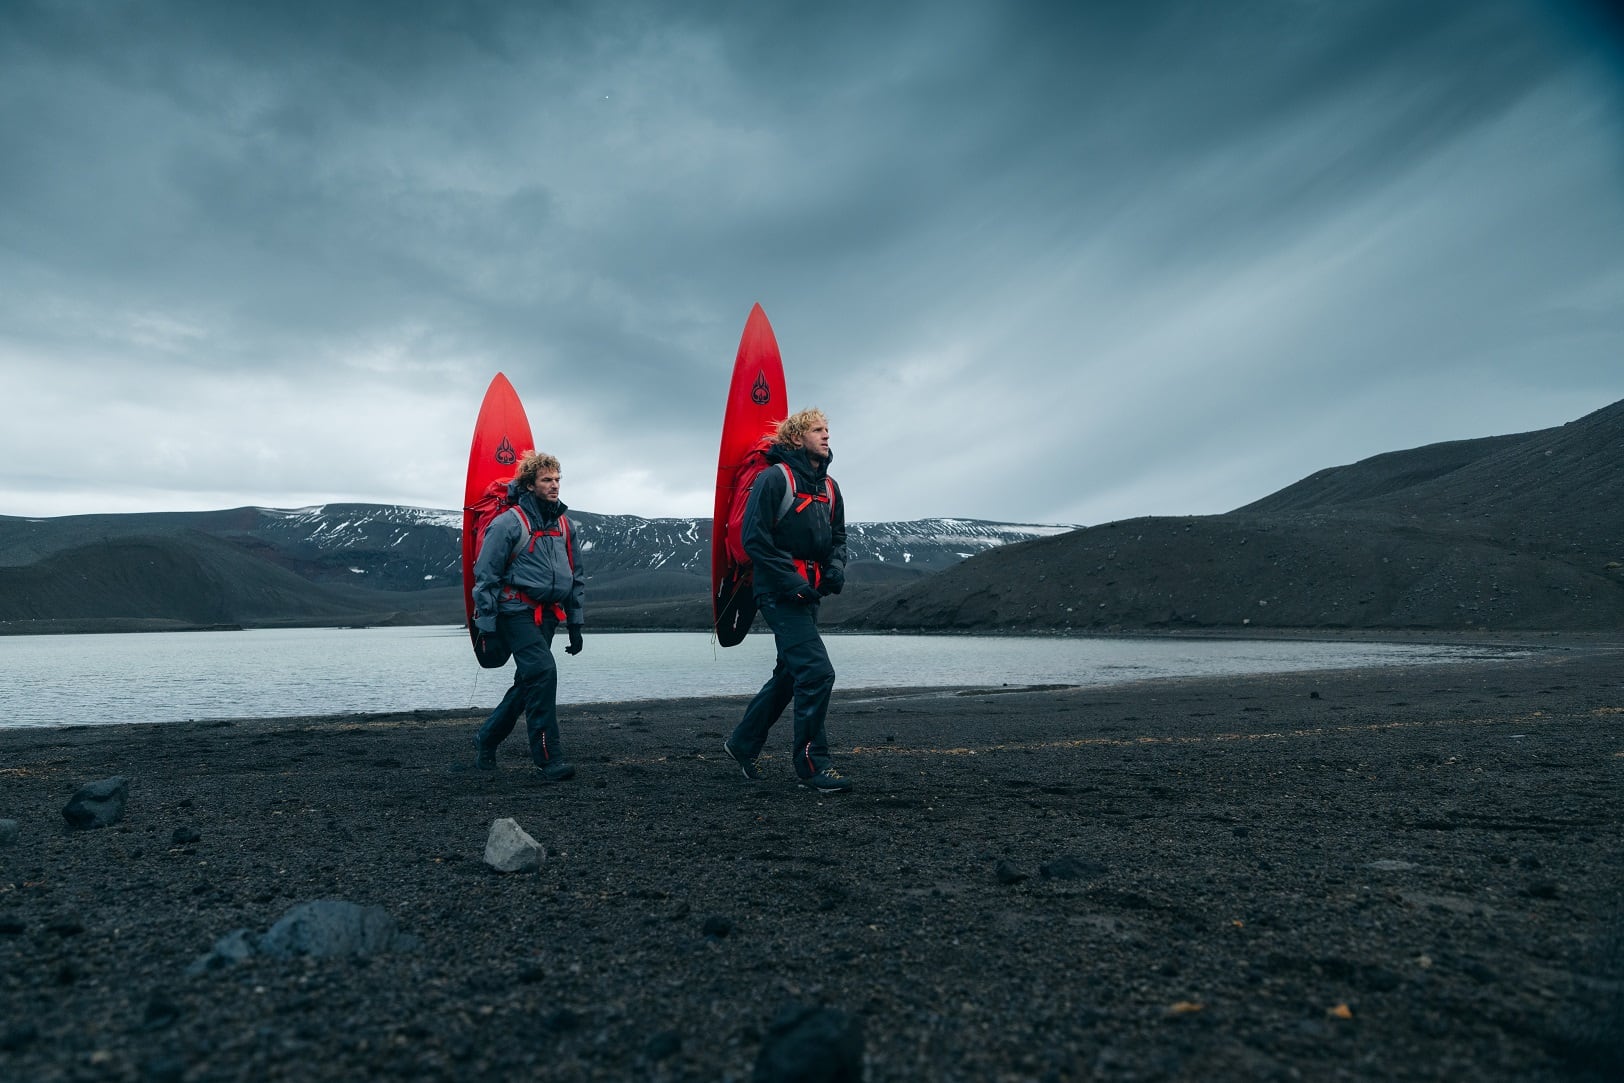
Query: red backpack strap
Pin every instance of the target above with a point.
(807, 499)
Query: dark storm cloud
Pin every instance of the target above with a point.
(1117, 229)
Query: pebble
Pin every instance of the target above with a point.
(1071, 868)
(664, 1045)
(811, 1045)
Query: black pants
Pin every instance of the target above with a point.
(803, 674)
(534, 690)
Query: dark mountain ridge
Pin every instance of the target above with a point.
(1513, 532)
(371, 564)
(1518, 532)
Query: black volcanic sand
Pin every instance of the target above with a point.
(1387, 874)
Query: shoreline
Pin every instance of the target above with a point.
(1328, 634)
(1403, 872)
(1554, 642)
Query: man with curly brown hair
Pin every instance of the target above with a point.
(528, 580)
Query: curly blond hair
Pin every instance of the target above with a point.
(533, 464)
(793, 427)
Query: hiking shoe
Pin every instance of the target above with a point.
(558, 772)
(747, 767)
(828, 780)
(484, 758)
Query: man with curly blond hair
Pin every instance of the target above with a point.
(795, 533)
(527, 580)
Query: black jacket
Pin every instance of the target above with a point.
(816, 533)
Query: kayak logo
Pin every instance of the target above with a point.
(505, 453)
(760, 393)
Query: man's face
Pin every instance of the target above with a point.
(546, 485)
(816, 440)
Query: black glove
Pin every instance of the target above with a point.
(575, 640)
(485, 643)
(832, 582)
(800, 596)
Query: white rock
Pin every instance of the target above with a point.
(510, 849)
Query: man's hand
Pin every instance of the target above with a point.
(575, 640)
(800, 596)
(832, 582)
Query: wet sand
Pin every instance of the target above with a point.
(1388, 874)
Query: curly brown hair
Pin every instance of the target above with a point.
(533, 464)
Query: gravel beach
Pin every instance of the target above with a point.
(1409, 873)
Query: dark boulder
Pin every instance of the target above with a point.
(97, 804)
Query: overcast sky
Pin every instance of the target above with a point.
(1060, 263)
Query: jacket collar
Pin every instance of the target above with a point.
(799, 461)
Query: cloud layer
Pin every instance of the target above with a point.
(1039, 263)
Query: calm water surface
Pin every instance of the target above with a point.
(169, 677)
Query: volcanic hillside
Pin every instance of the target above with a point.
(1509, 532)
(191, 580)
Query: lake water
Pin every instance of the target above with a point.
(168, 677)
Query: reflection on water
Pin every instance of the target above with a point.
(167, 677)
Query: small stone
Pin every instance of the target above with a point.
(236, 946)
(663, 1045)
(8, 832)
(163, 1070)
(510, 849)
(160, 1012)
(1070, 868)
(1542, 889)
(811, 1044)
(20, 1037)
(185, 836)
(563, 1020)
(717, 926)
(333, 927)
(1007, 873)
(97, 804)
(1240, 832)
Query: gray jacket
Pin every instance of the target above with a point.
(543, 563)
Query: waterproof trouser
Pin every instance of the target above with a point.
(534, 690)
(803, 675)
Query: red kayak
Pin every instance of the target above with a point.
(501, 439)
(756, 403)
